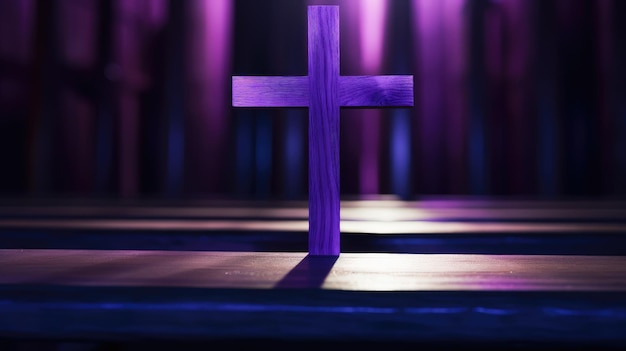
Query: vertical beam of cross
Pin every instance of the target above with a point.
(324, 202)
(323, 91)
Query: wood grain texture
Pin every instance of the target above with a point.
(373, 298)
(253, 91)
(324, 201)
(350, 272)
(376, 91)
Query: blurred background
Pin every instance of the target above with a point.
(131, 98)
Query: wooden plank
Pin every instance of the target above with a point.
(263, 91)
(494, 211)
(349, 272)
(347, 226)
(324, 205)
(376, 91)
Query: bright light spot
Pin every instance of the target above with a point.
(372, 32)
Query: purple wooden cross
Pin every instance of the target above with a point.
(323, 91)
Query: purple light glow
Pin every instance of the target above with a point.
(209, 71)
(438, 27)
(156, 12)
(370, 146)
(371, 17)
(428, 27)
(372, 29)
(455, 58)
(515, 97)
(517, 66)
(128, 59)
(212, 23)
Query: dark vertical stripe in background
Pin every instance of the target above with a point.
(44, 108)
(617, 98)
(398, 180)
(126, 98)
(478, 126)
(175, 98)
(545, 92)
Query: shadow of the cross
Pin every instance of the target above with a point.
(309, 273)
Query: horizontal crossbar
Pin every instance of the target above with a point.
(376, 91)
(354, 91)
(257, 91)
